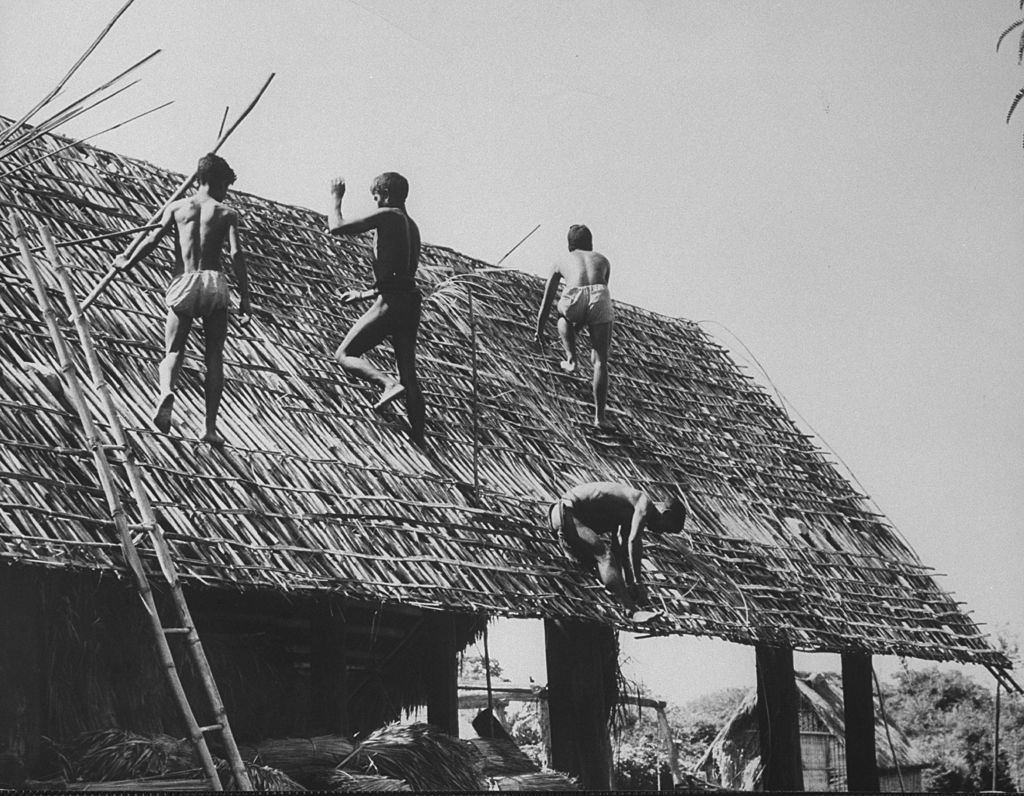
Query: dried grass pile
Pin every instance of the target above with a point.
(109, 755)
(502, 758)
(263, 778)
(308, 761)
(537, 781)
(344, 782)
(422, 755)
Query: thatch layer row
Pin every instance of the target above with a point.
(315, 492)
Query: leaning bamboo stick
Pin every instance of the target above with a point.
(56, 90)
(72, 109)
(42, 130)
(83, 241)
(106, 476)
(112, 273)
(7, 174)
(163, 552)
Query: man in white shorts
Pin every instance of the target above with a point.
(585, 300)
(200, 225)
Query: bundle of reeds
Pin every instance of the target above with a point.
(263, 778)
(306, 760)
(420, 754)
(115, 754)
(344, 782)
(501, 758)
(537, 781)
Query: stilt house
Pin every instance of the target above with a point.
(334, 570)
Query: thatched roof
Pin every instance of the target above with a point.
(315, 492)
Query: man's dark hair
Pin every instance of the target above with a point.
(214, 170)
(396, 186)
(670, 513)
(580, 238)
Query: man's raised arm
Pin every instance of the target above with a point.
(545, 305)
(342, 226)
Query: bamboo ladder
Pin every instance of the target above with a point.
(185, 626)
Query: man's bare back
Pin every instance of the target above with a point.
(397, 248)
(201, 226)
(581, 268)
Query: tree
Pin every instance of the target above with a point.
(948, 717)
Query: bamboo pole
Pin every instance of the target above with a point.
(112, 273)
(15, 170)
(110, 490)
(163, 552)
(995, 740)
(69, 111)
(83, 241)
(56, 90)
(42, 130)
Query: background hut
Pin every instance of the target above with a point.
(733, 760)
(319, 536)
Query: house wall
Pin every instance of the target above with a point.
(78, 652)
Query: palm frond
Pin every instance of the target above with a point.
(1013, 105)
(1008, 31)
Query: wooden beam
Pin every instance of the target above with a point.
(441, 673)
(778, 716)
(582, 666)
(859, 718)
(328, 674)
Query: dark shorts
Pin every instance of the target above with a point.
(564, 524)
(402, 310)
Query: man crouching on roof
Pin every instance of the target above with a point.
(201, 224)
(395, 313)
(601, 525)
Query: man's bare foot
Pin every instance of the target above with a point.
(568, 365)
(601, 423)
(162, 416)
(389, 395)
(213, 438)
(643, 616)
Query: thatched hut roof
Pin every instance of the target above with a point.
(315, 492)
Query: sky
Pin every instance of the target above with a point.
(827, 186)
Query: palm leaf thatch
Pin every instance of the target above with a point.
(419, 754)
(122, 755)
(314, 492)
(344, 782)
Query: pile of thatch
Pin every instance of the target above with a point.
(419, 754)
(344, 782)
(263, 778)
(537, 781)
(309, 761)
(110, 755)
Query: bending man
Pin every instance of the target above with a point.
(601, 524)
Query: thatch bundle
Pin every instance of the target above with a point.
(421, 755)
(307, 760)
(537, 781)
(501, 758)
(263, 778)
(109, 755)
(344, 782)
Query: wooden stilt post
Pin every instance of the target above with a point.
(581, 664)
(778, 715)
(859, 719)
(441, 675)
(22, 664)
(328, 675)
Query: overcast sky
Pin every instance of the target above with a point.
(831, 181)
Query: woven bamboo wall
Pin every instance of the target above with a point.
(316, 492)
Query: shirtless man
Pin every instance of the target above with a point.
(601, 525)
(201, 224)
(396, 311)
(585, 299)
